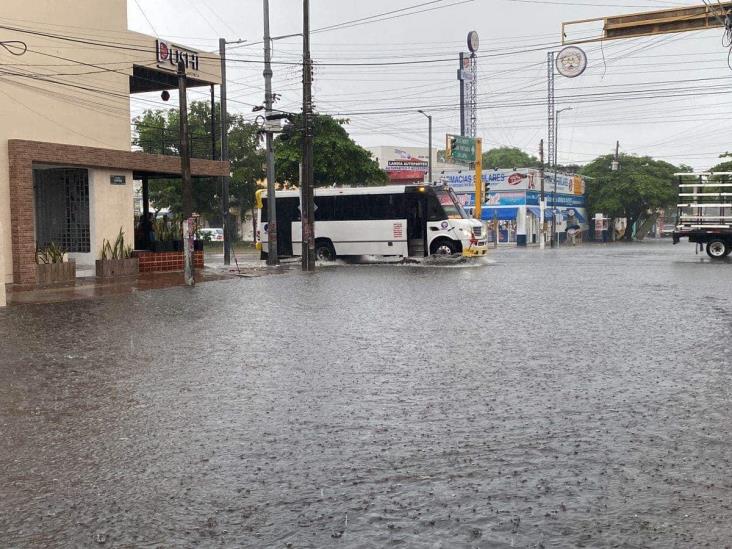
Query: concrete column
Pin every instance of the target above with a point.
(521, 226)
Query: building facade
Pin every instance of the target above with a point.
(512, 197)
(66, 164)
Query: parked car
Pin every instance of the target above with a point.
(211, 235)
(668, 229)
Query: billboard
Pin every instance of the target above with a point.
(522, 179)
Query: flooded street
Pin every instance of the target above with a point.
(571, 398)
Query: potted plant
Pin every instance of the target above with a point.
(52, 266)
(116, 259)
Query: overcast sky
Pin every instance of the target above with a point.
(679, 84)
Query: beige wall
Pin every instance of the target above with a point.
(62, 112)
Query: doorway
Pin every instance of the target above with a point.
(62, 208)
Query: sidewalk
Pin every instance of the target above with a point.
(91, 287)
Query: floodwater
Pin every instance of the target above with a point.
(571, 398)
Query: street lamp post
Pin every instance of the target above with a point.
(429, 163)
(555, 240)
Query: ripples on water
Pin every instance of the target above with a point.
(578, 398)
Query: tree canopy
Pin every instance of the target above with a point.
(508, 158)
(337, 158)
(157, 133)
(641, 184)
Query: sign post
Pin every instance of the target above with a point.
(469, 150)
(478, 209)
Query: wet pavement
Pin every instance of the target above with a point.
(571, 398)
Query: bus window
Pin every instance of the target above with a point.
(435, 211)
(451, 205)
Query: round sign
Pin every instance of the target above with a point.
(164, 51)
(473, 41)
(571, 62)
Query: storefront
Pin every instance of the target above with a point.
(66, 164)
(513, 201)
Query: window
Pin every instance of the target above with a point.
(435, 211)
(360, 207)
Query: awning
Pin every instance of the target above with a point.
(502, 213)
(535, 210)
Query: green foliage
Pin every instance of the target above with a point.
(50, 254)
(508, 158)
(337, 158)
(118, 250)
(168, 229)
(641, 185)
(157, 133)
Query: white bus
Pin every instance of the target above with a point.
(398, 220)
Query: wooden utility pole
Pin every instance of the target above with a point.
(185, 168)
(224, 157)
(308, 202)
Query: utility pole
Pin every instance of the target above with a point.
(225, 154)
(185, 168)
(615, 164)
(308, 203)
(429, 162)
(542, 198)
(272, 252)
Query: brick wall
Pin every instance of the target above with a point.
(22, 155)
(158, 262)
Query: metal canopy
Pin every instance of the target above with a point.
(147, 79)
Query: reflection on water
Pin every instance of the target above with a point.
(571, 398)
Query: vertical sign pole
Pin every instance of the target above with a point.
(478, 209)
(462, 94)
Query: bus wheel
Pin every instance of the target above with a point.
(324, 251)
(717, 249)
(443, 247)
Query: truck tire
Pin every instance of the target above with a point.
(718, 249)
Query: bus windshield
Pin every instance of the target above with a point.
(451, 205)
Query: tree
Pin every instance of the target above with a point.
(338, 159)
(508, 158)
(157, 132)
(641, 185)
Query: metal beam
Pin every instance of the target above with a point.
(652, 23)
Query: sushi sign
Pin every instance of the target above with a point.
(169, 55)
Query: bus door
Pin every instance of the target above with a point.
(287, 211)
(416, 210)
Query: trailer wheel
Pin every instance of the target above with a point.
(718, 249)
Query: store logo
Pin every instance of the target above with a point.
(515, 179)
(169, 54)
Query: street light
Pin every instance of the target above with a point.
(429, 164)
(555, 241)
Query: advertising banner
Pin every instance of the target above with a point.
(523, 179)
